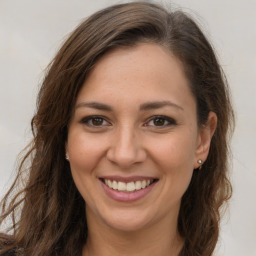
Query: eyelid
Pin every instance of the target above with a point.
(170, 121)
(85, 120)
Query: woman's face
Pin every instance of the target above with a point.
(133, 140)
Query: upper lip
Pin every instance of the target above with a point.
(128, 179)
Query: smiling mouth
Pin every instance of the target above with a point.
(131, 186)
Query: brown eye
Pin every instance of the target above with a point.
(97, 121)
(159, 121)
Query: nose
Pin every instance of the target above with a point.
(126, 148)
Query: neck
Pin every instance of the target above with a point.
(155, 240)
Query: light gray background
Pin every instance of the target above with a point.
(31, 32)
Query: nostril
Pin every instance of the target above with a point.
(125, 157)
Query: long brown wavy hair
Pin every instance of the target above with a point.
(48, 213)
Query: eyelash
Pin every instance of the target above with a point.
(87, 120)
(170, 121)
(167, 121)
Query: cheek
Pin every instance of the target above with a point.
(84, 152)
(175, 152)
(84, 155)
(175, 158)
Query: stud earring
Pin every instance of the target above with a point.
(67, 158)
(199, 161)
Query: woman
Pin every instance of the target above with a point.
(130, 144)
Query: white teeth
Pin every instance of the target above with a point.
(109, 183)
(138, 185)
(127, 187)
(114, 185)
(121, 186)
(130, 186)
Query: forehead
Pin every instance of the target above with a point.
(143, 72)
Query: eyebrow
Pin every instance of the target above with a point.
(159, 104)
(145, 106)
(96, 105)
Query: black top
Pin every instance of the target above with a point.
(8, 253)
(6, 240)
(11, 253)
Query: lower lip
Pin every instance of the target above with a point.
(127, 196)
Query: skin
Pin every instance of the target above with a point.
(128, 140)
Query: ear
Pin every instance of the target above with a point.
(204, 139)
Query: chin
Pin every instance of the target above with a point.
(127, 221)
